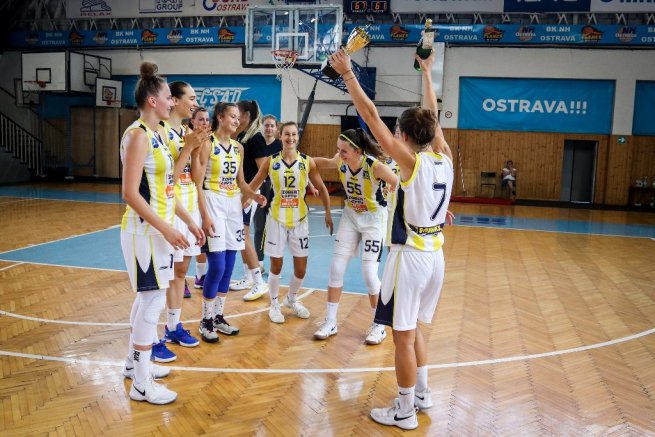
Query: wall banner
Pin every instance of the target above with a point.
(446, 6)
(392, 34)
(546, 6)
(643, 120)
(626, 6)
(211, 89)
(160, 8)
(536, 105)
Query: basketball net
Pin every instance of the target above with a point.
(284, 62)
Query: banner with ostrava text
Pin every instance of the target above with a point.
(211, 89)
(536, 105)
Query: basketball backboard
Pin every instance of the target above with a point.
(108, 93)
(314, 31)
(85, 68)
(44, 71)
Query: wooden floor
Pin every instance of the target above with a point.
(529, 339)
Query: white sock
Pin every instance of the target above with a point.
(332, 308)
(273, 286)
(373, 312)
(256, 275)
(406, 399)
(295, 285)
(130, 351)
(247, 275)
(141, 365)
(207, 309)
(421, 379)
(201, 269)
(173, 318)
(219, 305)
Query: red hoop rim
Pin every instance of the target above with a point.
(41, 83)
(285, 54)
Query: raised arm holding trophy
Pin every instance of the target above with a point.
(357, 40)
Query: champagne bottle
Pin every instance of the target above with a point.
(424, 47)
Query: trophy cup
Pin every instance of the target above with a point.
(358, 39)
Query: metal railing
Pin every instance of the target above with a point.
(21, 144)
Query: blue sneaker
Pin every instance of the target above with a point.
(161, 354)
(180, 336)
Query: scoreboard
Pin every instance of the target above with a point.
(366, 6)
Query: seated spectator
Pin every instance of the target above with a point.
(509, 178)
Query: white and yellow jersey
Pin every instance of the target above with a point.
(363, 189)
(222, 168)
(386, 190)
(420, 204)
(185, 189)
(156, 185)
(289, 187)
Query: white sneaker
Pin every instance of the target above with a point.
(275, 314)
(392, 416)
(298, 308)
(257, 291)
(376, 334)
(422, 400)
(221, 325)
(241, 285)
(152, 392)
(328, 328)
(207, 331)
(156, 371)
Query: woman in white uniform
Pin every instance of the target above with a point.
(414, 271)
(287, 223)
(363, 178)
(148, 237)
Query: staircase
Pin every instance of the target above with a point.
(23, 146)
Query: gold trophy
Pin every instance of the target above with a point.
(357, 40)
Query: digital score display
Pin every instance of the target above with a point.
(366, 6)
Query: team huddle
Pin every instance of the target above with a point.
(191, 192)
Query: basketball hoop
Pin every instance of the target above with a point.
(40, 83)
(284, 61)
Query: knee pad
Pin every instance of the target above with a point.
(370, 274)
(153, 304)
(338, 269)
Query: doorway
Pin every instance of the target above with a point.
(579, 171)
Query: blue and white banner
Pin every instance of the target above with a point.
(445, 6)
(211, 89)
(397, 34)
(643, 120)
(536, 105)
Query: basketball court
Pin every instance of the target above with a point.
(546, 320)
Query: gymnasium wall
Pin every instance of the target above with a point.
(537, 155)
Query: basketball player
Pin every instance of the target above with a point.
(199, 119)
(413, 273)
(182, 143)
(148, 237)
(221, 184)
(287, 223)
(364, 219)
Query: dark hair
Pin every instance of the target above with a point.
(219, 109)
(149, 83)
(288, 123)
(363, 141)
(251, 107)
(419, 124)
(271, 116)
(194, 113)
(178, 88)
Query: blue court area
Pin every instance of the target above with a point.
(102, 250)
